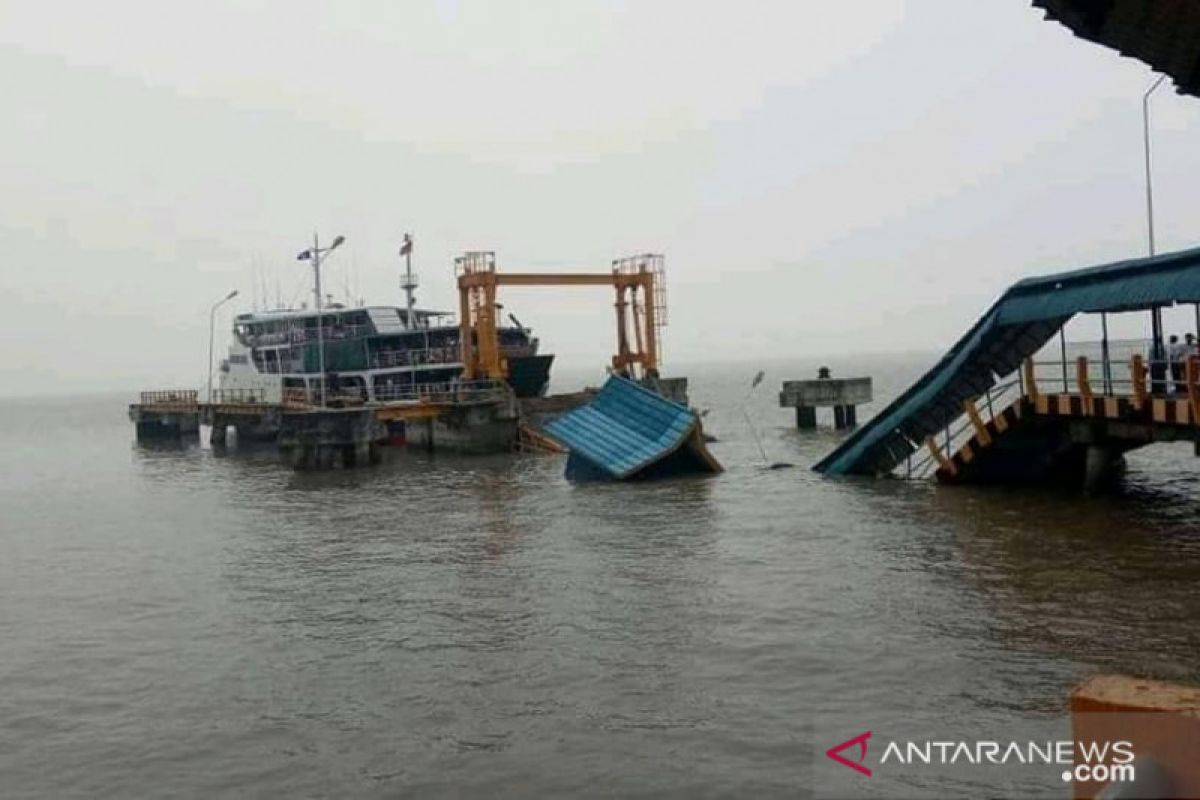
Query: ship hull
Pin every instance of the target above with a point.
(529, 376)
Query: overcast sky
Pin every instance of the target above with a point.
(822, 177)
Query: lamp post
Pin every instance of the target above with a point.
(1156, 312)
(315, 253)
(212, 319)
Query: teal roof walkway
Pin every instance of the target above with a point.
(1014, 328)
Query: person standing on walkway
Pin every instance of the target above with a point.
(1177, 353)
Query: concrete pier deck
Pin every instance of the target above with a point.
(474, 417)
(844, 395)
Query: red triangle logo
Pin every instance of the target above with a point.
(835, 753)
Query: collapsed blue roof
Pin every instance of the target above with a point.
(627, 428)
(1014, 328)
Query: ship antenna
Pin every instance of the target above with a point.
(409, 282)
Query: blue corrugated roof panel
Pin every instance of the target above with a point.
(625, 428)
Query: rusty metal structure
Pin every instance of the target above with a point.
(641, 310)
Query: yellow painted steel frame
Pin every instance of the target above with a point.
(981, 431)
(944, 462)
(1137, 370)
(1193, 378)
(479, 336)
(1031, 387)
(1085, 386)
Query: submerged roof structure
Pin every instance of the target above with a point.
(629, 431)
(1014, 328)
(1162, 33)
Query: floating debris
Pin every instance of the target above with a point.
(629, 432)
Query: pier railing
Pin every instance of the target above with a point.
(170, 399)
(239, 397)
(454, 392)
(447, 393)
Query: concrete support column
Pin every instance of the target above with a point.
(806, 417)
(293, 456)
(324, 456)
(839, 417)
(216, 436)
(1098, 467)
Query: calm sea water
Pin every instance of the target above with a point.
(173, 623)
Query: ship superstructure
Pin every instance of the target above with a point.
(366, 353)
(370, 352)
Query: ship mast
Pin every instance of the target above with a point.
(409, 282)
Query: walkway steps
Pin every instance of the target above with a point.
(1065, 439)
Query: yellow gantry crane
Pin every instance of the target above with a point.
(641, 308)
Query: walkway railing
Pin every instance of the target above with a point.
(977, 413)
(1139, 381)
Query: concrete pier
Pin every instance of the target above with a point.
(843, 394)
(331, 437)
(464, 417)
(469, 428)
(170, 414)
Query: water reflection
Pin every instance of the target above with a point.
(1102, 582)
(482, 622)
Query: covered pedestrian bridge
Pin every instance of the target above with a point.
(996, 409)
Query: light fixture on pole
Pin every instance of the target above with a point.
(212, 319)
(315, 253)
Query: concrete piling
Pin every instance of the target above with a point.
(843, 394)
(166, 426)
(324, 438)
(1098, 466)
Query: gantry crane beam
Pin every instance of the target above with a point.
(478, 281)
(550, 279)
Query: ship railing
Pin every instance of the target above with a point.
(406, 358)
(300, 335)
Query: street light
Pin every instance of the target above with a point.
(1156, 312)
(314, 254)
(212, 319)
(1146, 147)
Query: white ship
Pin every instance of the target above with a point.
(366, 353)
